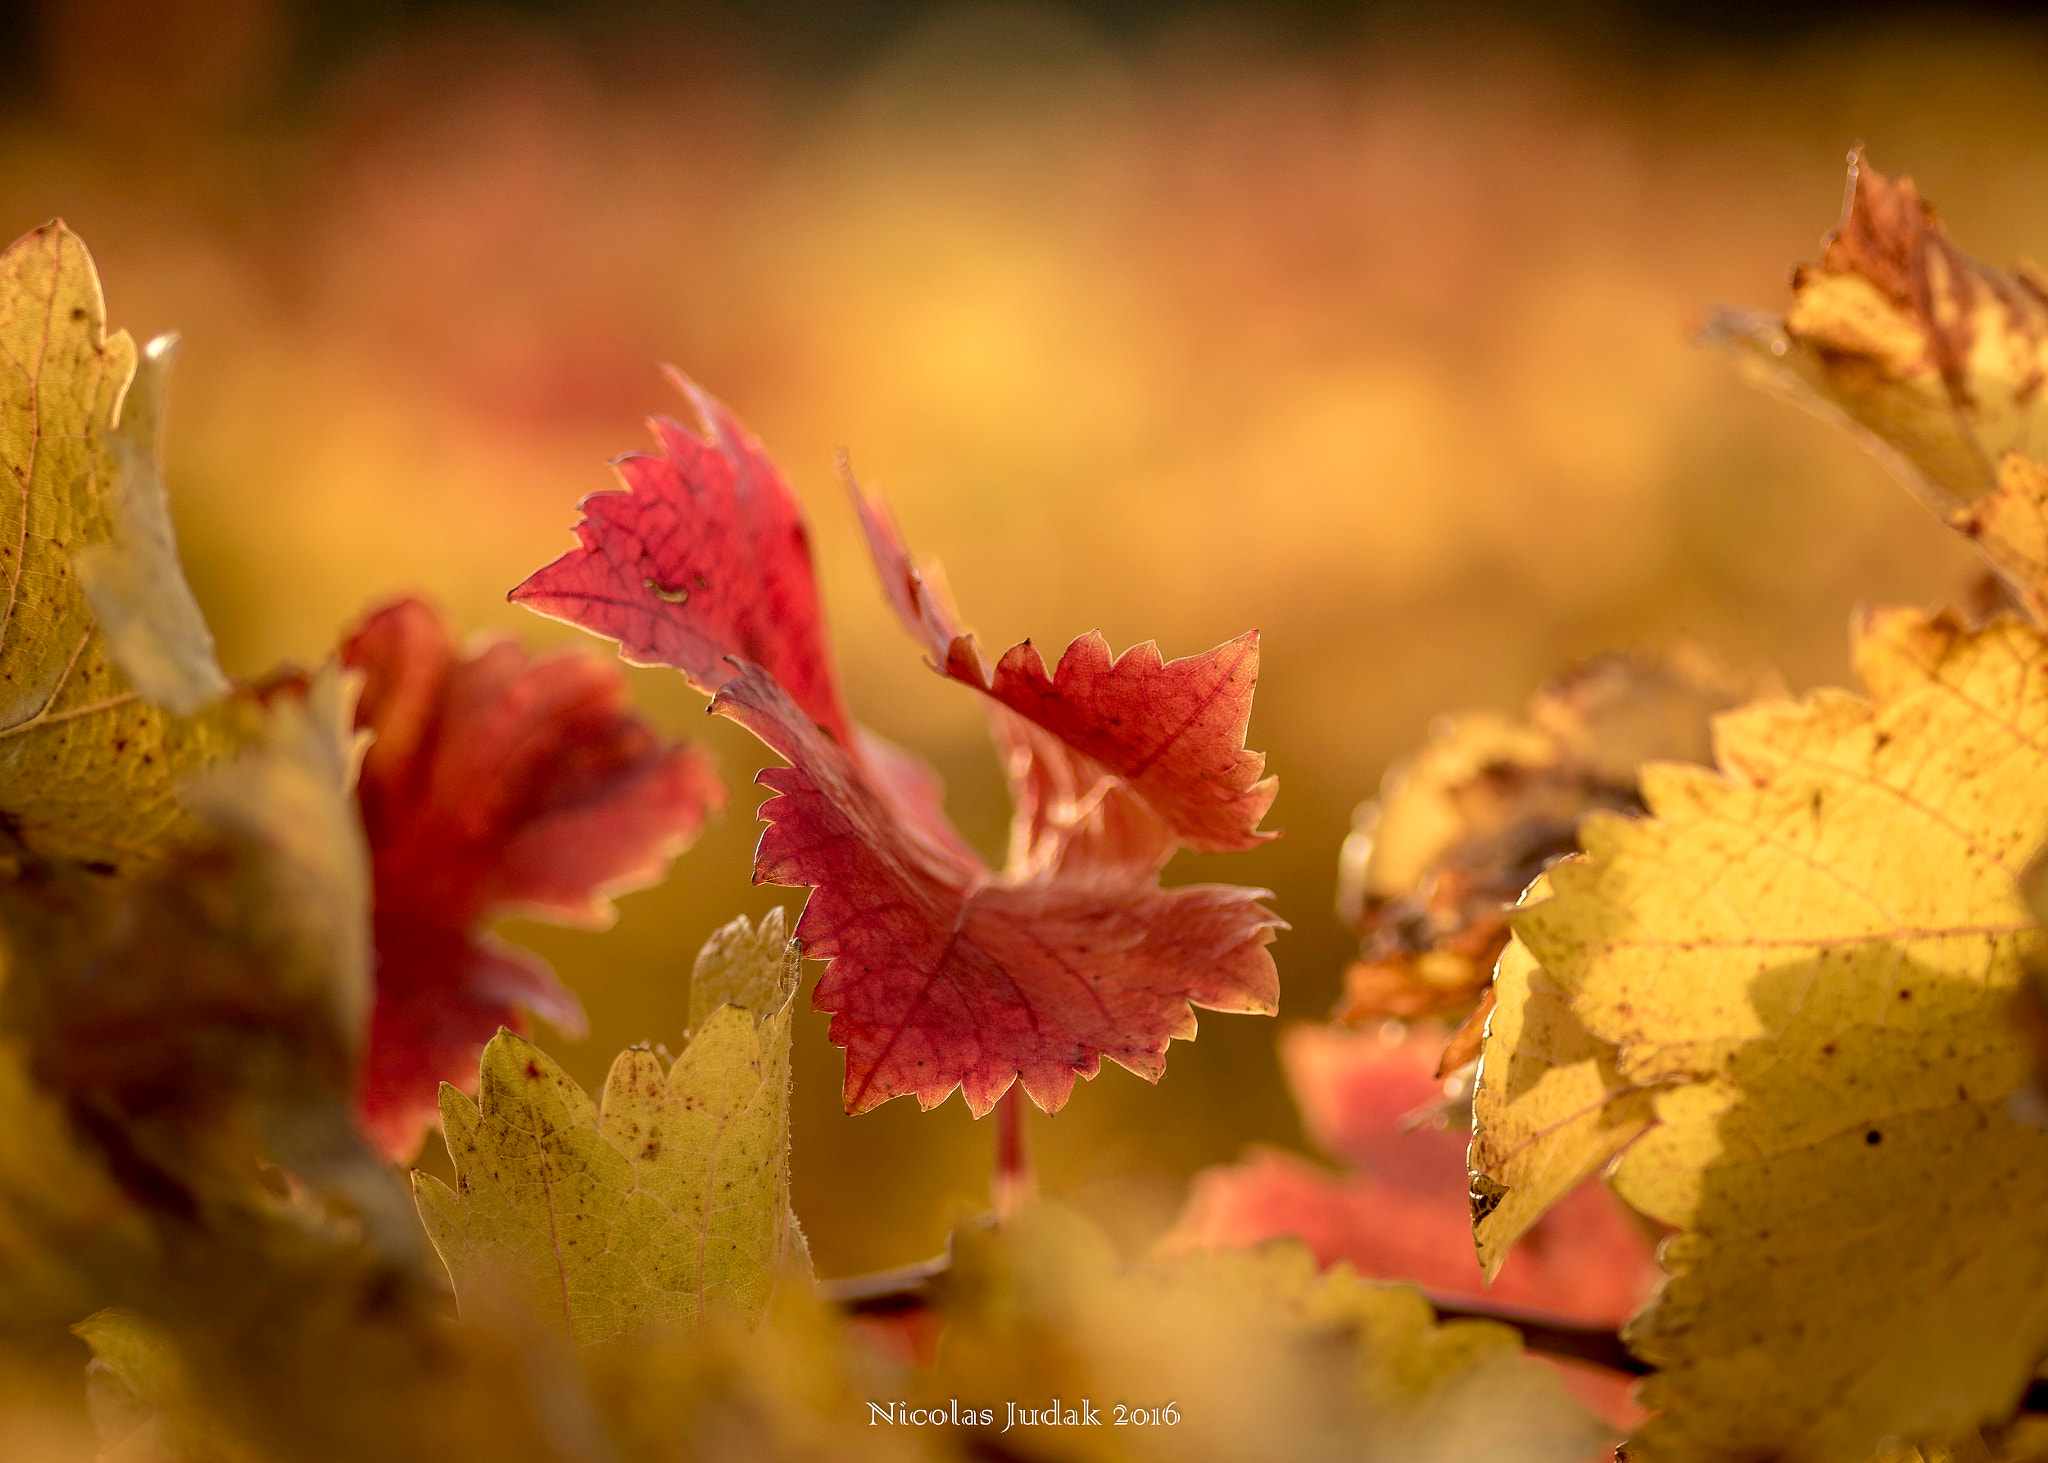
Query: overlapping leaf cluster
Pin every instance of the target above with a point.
(241, 947)
(1787, 996)
(1778, 1007)
(944, 974)
(199, 920)
(1458, 831)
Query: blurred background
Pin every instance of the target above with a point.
(1358, 325)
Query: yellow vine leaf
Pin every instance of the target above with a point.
(1460, 828)
(1811, 955)
(1549, 1109)
(88, 758)
(1932, 359)
(666, 1203)
(2010, 524)
(1261, 1356)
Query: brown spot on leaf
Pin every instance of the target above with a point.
(1485, 1196)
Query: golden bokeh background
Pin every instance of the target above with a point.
(1365, 331)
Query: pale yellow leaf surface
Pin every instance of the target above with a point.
(134, 581)
(1549, 1109)
(1932, 359)
(1811, 953)
(668, 1203)
(1261, 1356)
(2010, 524)
(88, 764)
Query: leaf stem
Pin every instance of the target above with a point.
(1014, 1183)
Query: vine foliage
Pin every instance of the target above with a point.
(1772, 971)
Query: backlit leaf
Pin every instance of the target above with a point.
(1933, 360)
(944, 977)
(666, 1203)
(1809, 956)
(705, 555)
(88, 763)
(1549, 1109)
(945, 974)
(134, 581)
(496, 784)
(1112, 759)
(2010, 524)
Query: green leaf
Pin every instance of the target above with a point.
(668, 1203)
(89, 762)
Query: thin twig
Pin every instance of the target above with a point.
(889, 1292)
(1547, 1335)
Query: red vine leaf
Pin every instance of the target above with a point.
(496, 784)
(704, 556)
(1115, 759)
(944, 973)
(1401, 1211)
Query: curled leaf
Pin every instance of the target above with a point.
(945, 974)
(1113, 760)
(1549, 1109)
(1933, 360)
(134, 580)
(495, 784)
